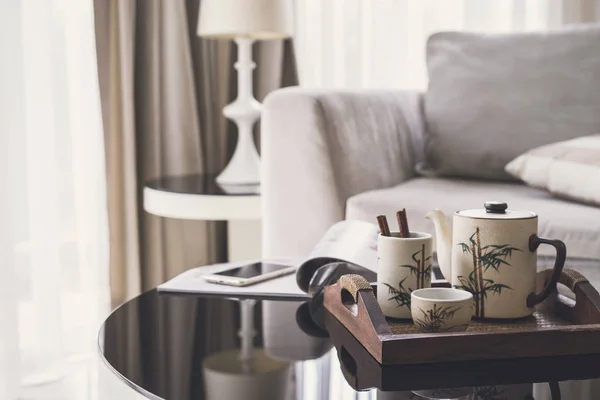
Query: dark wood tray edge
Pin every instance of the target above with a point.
(362, 371)
(366, 322)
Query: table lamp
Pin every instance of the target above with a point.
(244, 21)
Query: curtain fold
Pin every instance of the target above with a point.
(163, 90)
(114, 42)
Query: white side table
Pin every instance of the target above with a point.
(198, 197)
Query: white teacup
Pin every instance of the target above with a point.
(441, 309)
(404, 265)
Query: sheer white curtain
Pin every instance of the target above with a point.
(53, 236)
(381, 43)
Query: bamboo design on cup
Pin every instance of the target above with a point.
(433, 320)
(421, 270)
(401, 295)
(492, 256)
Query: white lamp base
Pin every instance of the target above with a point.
(244, 167)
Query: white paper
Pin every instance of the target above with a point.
(192, 281)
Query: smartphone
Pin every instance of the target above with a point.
(249, 274)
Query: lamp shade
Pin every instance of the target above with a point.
(255, 19)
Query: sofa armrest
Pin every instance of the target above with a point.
(321, 147)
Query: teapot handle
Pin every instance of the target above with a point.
(559, 263)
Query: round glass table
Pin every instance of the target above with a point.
(167, 346)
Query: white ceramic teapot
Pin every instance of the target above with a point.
(491, 252)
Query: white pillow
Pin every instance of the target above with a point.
(569, 169)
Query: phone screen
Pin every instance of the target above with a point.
(252, 270)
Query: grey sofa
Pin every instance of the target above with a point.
(334, 155)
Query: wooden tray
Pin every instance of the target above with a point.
(559, 327)
(362, 371)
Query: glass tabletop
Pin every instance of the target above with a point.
(186, 347)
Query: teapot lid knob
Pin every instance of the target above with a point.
(495, 207)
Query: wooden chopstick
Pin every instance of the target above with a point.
(405, 219)
(400, 223)
(383, 225)
(403, 223)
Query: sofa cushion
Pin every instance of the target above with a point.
(578, 225)
(569, 169)
(493, 97)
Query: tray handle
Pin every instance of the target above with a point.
(364, 314)
(586, 309)
(352, 284)
(571, 278)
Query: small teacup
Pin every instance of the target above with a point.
(441, 309)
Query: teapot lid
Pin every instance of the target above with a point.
(496, 210)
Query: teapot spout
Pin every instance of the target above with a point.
(443, 238)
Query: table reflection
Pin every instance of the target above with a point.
(249, 372)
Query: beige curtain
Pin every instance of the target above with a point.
(579, 11)
(162, 90)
